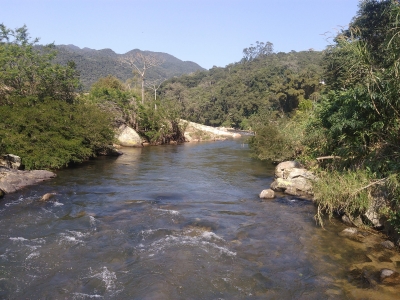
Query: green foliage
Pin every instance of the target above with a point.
(359, 118)
(28, 71)
(392, 190)
(157, 122)
(361, 115)
(41, 119)
(259, 50)
(229, 95)
(277, 139)
(52, 134)
(342, 193)
(110, 88)
(161, 125)
(112, 96)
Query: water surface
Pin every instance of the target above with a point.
(170, 222)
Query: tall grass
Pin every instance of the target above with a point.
(346, 192)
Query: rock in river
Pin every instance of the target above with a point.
(47, 196)
(267, 194)
(292, 179)
(12, 180)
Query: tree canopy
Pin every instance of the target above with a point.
(230, 96)
(28, 71)
(41, 118)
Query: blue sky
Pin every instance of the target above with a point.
(208, 32)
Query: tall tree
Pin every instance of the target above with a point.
(141, 63)
(155, 85)
(259, 50)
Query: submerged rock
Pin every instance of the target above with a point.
(363, 278)
(353, 234)
(47, 196)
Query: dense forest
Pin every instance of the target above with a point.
(341, 103)
(231, 96)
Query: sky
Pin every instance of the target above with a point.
(208, 32)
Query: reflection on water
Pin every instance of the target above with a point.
(171, 222)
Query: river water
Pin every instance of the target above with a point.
(170, 222)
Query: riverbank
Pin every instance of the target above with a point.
(12, 179)
(378, 258)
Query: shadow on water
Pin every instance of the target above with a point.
(171, 222)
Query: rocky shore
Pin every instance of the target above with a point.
(197, 133)
(378, 262)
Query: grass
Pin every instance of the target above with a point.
(346, 192)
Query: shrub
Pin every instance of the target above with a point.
(52, 134)
(278, 139)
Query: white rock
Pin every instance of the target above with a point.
(128, 137)
(267, 194)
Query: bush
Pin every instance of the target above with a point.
(278, 139)
(52, 134)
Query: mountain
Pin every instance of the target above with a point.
(93, 64)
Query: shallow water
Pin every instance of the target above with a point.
(171, 222)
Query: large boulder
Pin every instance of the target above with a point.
(128, 137)
(282, 169)
(292, 179)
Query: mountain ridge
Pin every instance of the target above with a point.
(93, 64)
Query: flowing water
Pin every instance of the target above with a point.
(170, 222)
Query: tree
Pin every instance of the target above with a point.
(360, 116)
(141, 63)
(27, 70)
(259, 50)
(155, 85)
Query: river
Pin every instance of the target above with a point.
(170, 222)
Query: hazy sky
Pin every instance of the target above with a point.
(208, 32)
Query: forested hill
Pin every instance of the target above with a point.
(94, 64)
(229, 96)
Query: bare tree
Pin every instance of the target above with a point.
(155, 85)
(140, 63)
